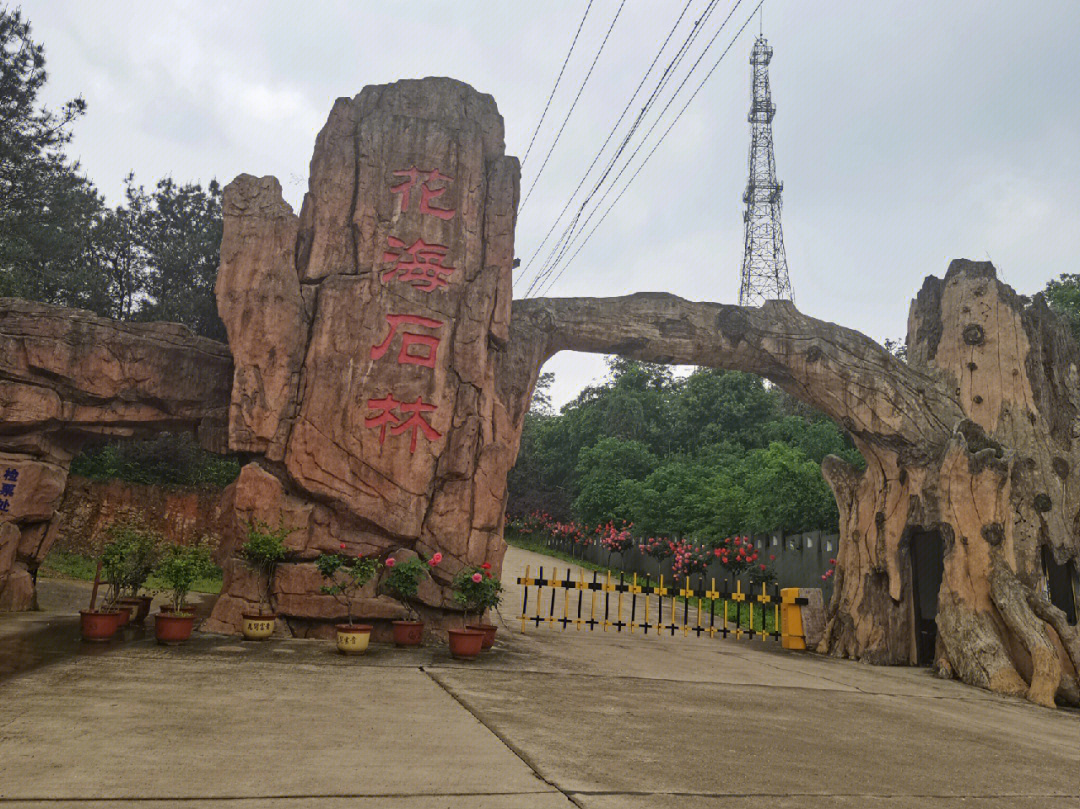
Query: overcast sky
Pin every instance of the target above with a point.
(906, 134)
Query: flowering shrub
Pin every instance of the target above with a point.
(659, 548)
(477, 589)
(403, 579)
(345, 576)
(688, 558)
(736, 554)
(829, 573)
(615, 540)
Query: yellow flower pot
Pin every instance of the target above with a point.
(352, 639)
(258, 627)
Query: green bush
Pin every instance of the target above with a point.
(181, 566)
(170, 459)
(264, 549)
(346, 574)
(130, 556)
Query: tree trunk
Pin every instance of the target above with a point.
(971, 439)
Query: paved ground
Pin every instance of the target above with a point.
(549, 719)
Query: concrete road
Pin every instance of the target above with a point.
(549, 719)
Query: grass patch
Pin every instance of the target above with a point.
(66, 565)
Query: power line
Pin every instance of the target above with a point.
(571, 238)
(572, 106)
(661, 140)
(557, 80)
(558, 249)
(607, 140)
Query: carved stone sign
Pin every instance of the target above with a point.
(364, 333)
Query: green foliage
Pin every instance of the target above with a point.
(263, 550)
(1063, 295)
(403, 579)
(181, 566)
(131, 554)
(690, 456)
(170, 459)
(346, 575)
(600, 470)
(477, 590)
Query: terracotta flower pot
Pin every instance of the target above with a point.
(124, 611)
(258, 627)
(408, 633)
(352, 639)
(466, 643)
(132, 604)
(99, 625)
(172, 628)
(185, 608)
(488, 630)
(143, 610)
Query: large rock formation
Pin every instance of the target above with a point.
(381, 384)
(364, 334)
(67, 375)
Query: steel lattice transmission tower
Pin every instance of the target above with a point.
(764, 269)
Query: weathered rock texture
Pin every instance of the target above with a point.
(974, 438)
(365, 333)
(183, 516)
(66, 375)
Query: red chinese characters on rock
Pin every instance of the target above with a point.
(422, 265)
(427, 193)
(419, 264)
(409, 417)
(409, 339)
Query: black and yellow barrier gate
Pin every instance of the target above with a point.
(632, 606)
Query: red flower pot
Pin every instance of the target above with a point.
(466, 643)
(143, 610)
(99, 625)
(133, 605)
(172, 628)
(124, 613)
(489, 633)
(408, 633)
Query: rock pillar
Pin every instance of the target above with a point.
(364, 334)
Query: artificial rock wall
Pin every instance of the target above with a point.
(365, 334)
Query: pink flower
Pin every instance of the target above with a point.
(435, 559)
(763, 567)
(823, 578)
(476, 577)
(390, 562)
(343, 546)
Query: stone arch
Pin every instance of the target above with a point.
(67, 376)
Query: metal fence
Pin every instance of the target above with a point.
(633, 604)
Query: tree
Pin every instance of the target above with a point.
(180, 232)
(1063, 295)
(601, 468)
(48, 210)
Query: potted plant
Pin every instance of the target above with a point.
(477, 590)
(142, 551)
(180, 567)
(345, 575)
(98, 625)
(402, 582)
(114, 560)
(263, 551)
